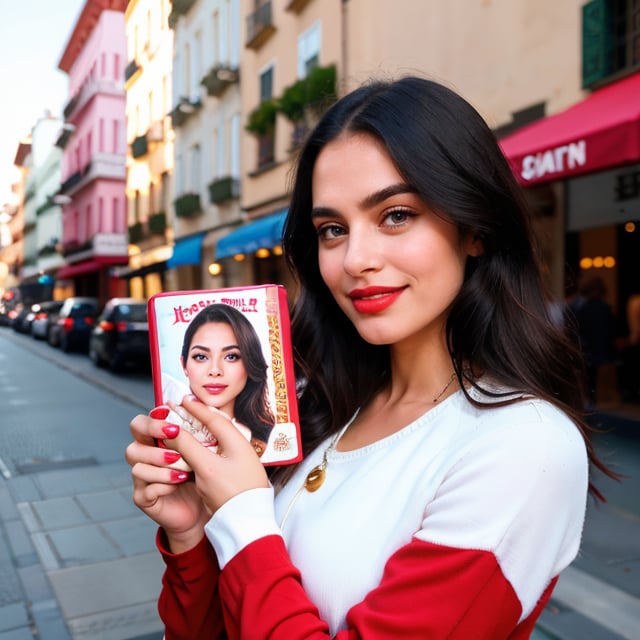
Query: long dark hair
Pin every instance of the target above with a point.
(499, 322)
(252, 404)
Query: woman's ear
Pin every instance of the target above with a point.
(473, 245)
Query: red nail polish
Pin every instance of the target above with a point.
(179, 476)
(171, 430)
(159, 413)
(171, 456)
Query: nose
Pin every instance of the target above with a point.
(363, 252)
(215, 370)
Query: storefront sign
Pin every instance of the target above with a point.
(559, 160)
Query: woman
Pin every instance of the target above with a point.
(446, 470)
(226, 370)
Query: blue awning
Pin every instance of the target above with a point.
(264, 233)
(186, 251)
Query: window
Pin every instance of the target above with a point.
(116, 67)
(196, 61)
(179, 175)
(220, 168)
(103, 65)
(309, 49)
(90, 230)
(116, 135)
(194, 166)
(610, 38)
(234, 159)
(101, 221)
(266, 84)
(101, 135)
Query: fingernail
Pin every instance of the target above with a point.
(171, 430)
(159, 413)
(179, 476)
(171, 456)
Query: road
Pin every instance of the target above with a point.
(70, 537)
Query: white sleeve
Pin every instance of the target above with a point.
(518, 490)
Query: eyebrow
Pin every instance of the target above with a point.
(372, 200)
(231, 347)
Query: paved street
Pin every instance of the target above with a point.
(77, 559)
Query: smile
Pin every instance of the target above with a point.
(215, 389)
(374, 299)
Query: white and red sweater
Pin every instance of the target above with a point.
(456, 526)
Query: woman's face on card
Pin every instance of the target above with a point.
(215, 367)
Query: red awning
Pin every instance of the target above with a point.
(600, 132)
(89, 266)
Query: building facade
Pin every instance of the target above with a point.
(205, 116)
(150, 150)
(92, 193)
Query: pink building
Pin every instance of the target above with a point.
(92, 194)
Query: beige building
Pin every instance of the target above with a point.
(150, 148)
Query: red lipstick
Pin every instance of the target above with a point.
(215, 389)
(374, 299)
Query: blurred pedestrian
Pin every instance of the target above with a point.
(596, 330)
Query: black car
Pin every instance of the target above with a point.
(46, 314)
(74, 324)
(121, 334)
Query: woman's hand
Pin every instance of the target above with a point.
(159, 491)
(219, 476)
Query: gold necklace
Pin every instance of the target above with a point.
(316, 477)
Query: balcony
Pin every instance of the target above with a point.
(108, 166)
(259, 26)
(179, 8)
(158, 223)
(88, 90)
(184, 110)
(131, 69)
(71, 182)
(155, 133)
(296, 6)
(139, 146)
(102, 244)
(219, 78)
(223, 189)
(188, 205)
(136, 232)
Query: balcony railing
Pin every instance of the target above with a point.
(179, 8)
(139, 146)
(259, 26)
(71, 182)
(219, 78)
(223, 189)
(130, 69)
(297, 5)
(184, 110)
(187, 205)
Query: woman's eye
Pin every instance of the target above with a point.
(233, 357)
(199, 357)
(397, 217)
(330, 231)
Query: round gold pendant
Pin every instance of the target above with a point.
(315, 479)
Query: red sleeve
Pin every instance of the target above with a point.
(189, 604)
(427, 591)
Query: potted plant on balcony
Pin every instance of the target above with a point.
(262, 119)
(304, 101)
(158, 222)
(188, 205)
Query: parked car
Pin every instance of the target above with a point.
(121, 334)
(47, 312)
(21, 321)
(73, 326)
